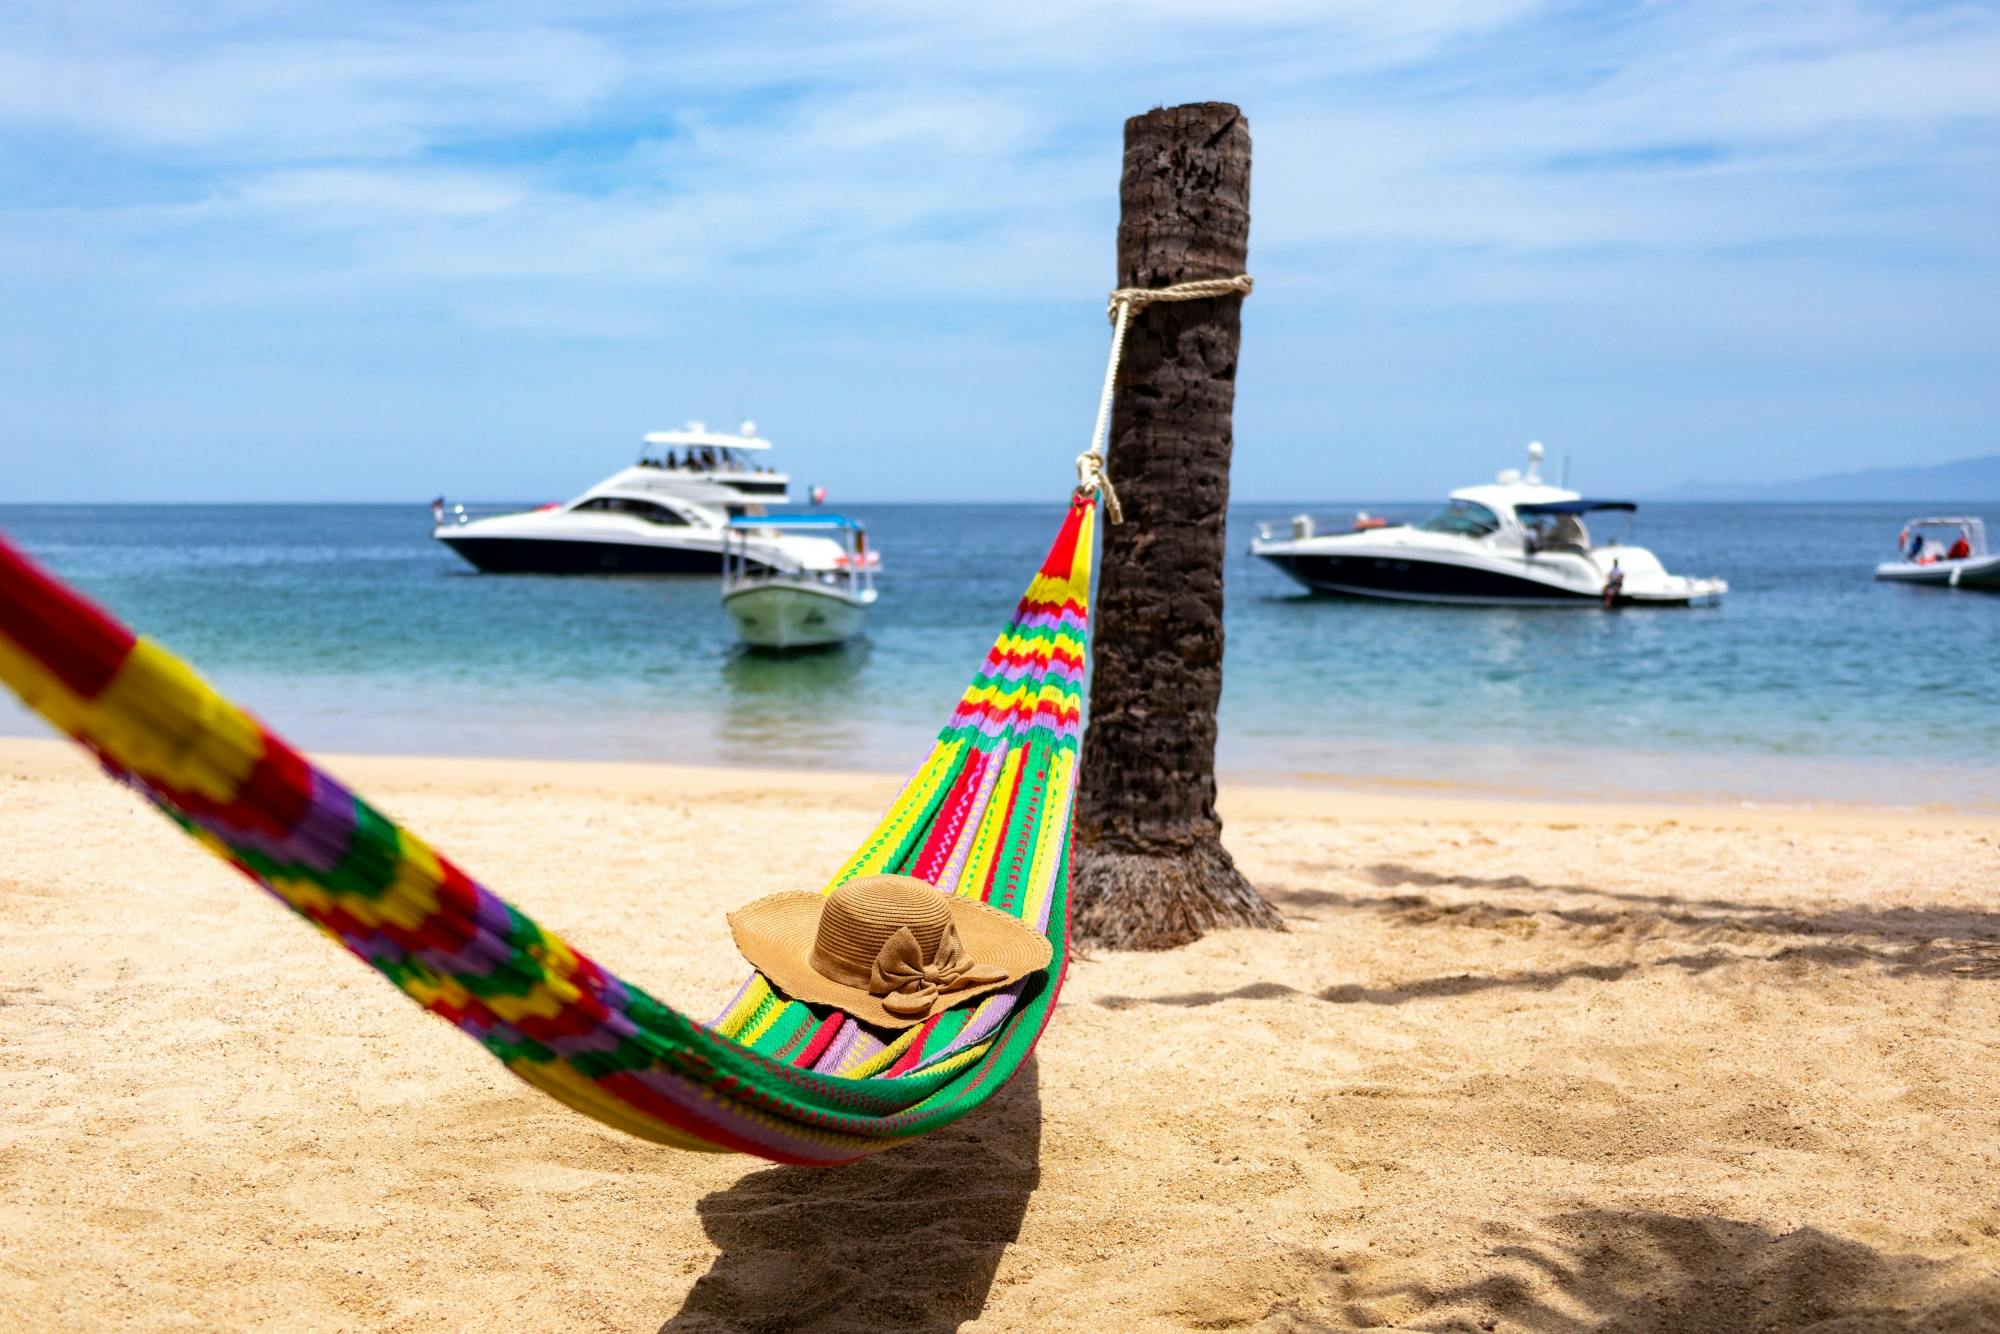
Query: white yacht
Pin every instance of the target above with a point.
(1515, 542)
(821, 600)
(666, 514)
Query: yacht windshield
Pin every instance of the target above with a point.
(638, 509)
(1464, 517)
(1556, 532)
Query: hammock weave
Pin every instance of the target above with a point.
(987, 815)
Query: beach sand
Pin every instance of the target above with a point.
(1514, 1066)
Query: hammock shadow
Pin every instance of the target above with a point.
(908, 1239)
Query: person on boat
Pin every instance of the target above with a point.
(1961, 549)
(1614, 584)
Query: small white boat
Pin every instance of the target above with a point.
(1517, 542)
(1944, 550)
(819, 599)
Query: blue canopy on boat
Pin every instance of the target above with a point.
(795, 521)
(1574, 506)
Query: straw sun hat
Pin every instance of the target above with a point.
(890, 950)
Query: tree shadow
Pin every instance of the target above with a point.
(1434, 988)
(1897, 924)
(908, 1239)
(1903, 941)
(1964, 942)
(1640, 1270)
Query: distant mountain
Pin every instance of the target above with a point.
(1967, 479)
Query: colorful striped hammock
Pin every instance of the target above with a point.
(987, 814)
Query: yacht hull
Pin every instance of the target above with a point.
(1407, 576)
(1404, 580)
(552, 555)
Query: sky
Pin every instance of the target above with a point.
(382, 251)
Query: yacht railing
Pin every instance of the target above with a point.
(442, 512)
(1302, 526)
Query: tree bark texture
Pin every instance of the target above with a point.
(1148, 867)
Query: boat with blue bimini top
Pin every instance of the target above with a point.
(1516, 542)
(817, 598)
(1947, 551)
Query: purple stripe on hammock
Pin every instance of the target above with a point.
(318, 842)
(1066, 619)
(836, 1051)
(985, 1021)
(734, 1001)
(1016, 671)
(987, 725)
(863, 1046)
(1056, 866)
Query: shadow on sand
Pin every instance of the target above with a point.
(1902, 942)
(1609, 1269)
(906, 1240)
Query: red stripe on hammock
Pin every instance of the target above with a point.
(822, 1038)
(60, 629)
(916, 1052)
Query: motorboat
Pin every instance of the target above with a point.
(1514, 542)
(666, 514)
(819, 599)
(1944, 550)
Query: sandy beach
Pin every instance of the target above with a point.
(1513, 1066)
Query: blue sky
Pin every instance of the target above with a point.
(270, 252)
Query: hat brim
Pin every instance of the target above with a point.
(776, 935)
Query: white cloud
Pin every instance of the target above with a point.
(370, 196)
(1789, 182)
(254, 90)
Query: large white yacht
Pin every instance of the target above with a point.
(1514, 542)
(666, 514)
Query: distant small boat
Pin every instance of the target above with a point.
(1944, 550)
(817, 600)
(1516, 542)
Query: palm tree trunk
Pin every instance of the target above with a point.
(1148, 867)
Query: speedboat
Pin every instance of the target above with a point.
(666, 514)
(1949, 551)
(1515, 542)
(818, 599)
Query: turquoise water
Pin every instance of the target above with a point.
(348, 629)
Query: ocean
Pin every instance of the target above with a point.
(348, 629)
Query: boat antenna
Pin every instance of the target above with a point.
(1534, 462)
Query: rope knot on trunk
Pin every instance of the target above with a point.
(1136, 299)
(1092, 478)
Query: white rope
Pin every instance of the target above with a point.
(1091, 476)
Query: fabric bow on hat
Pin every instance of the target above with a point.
(909, 987)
